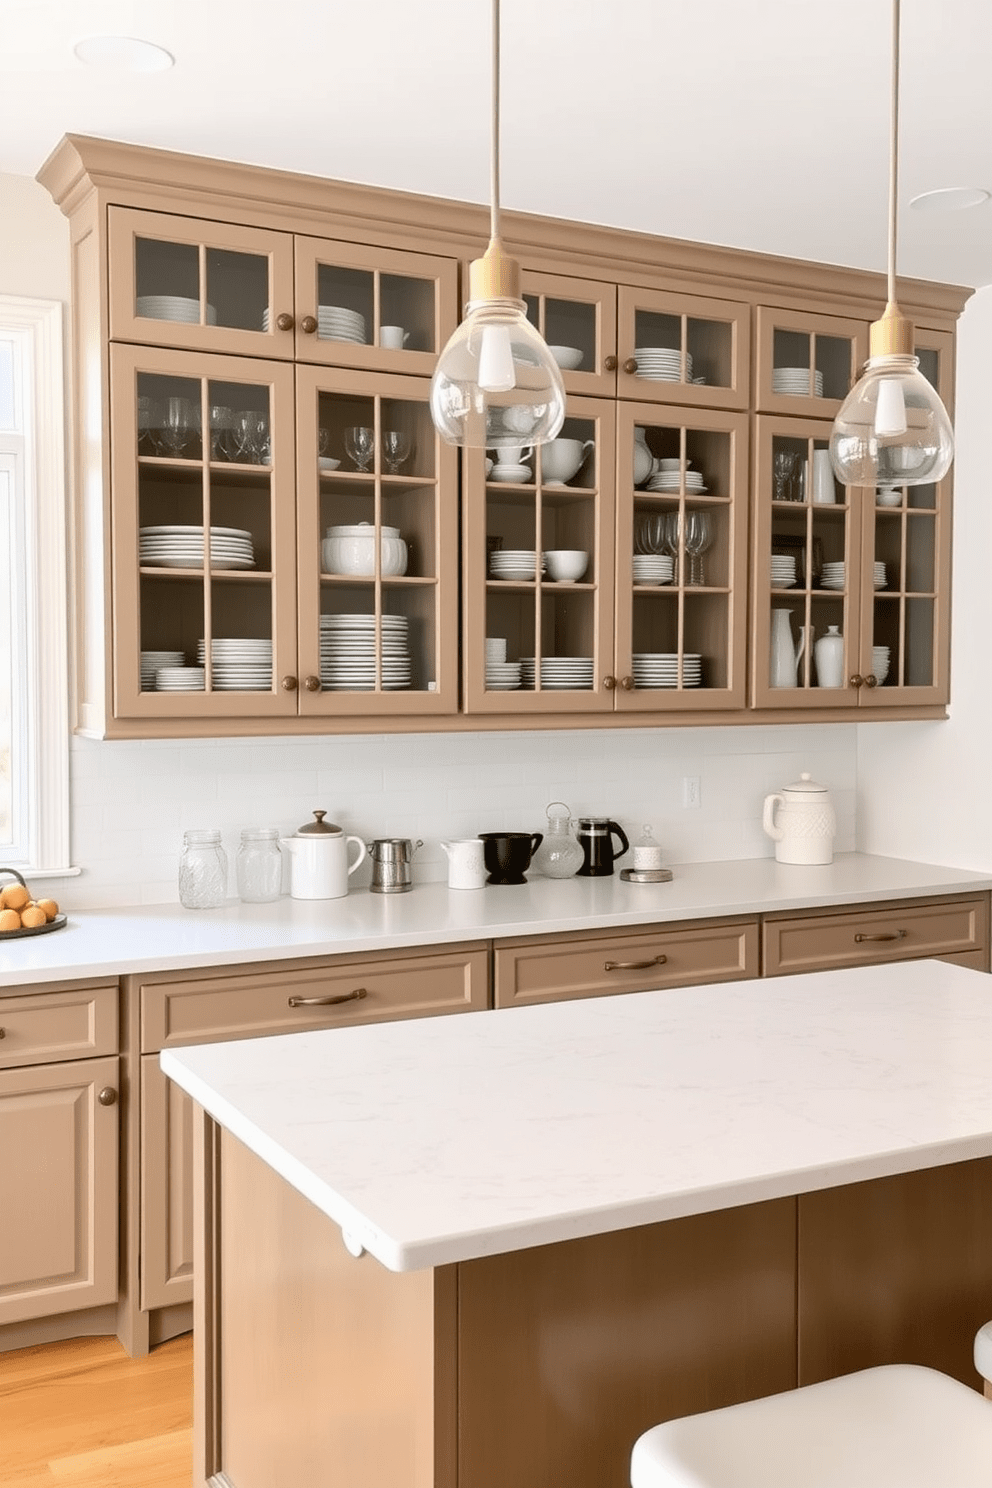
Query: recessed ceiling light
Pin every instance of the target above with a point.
(950, 199)
(123, 54)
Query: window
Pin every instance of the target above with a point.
(34, 736)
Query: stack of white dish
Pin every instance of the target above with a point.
(503, 676)
(519, 474)
(661, 669)
(559, 673)
(783, 571)
(238, 663)
(173, 307)
(514, 563)
(832, 576)
(152, 660)
(177, 546)
(880, 662)
(180, 679)
(879, 576)
(334, 323)
(662, 364)
(653, 568)
(795, 381)
(671, 480)
(348, 653)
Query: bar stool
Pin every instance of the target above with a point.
(897, 1426)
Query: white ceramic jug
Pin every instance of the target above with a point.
(785, 653)
(829, 653)
(803, 828)
(319, 866)
(466, 863)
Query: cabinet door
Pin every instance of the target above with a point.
(378, 548)
(578, 320)
(203, 286)
(807, 363)
(676, 348)
(58, 1238)
(166, 1189)
(681, 558)
(360, 306)
(548, 629)
(202, 445)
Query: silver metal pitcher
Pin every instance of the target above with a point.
(392, 858)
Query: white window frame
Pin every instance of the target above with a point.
(35, 329)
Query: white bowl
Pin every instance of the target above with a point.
(567, 357)
(566, 565)
(325, 462)
(889, 496)
(355, 556)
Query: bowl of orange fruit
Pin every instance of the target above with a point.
(22, 915)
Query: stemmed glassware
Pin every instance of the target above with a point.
(359, 443)
(697, 538)
(396, 447)
(177, 426)
(650, 537)
(251, 438)
(674, 538)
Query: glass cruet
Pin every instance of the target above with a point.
(559, 855)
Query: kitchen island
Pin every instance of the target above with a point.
(461, 1253)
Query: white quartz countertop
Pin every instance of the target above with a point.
(167, 937)
(444, 1139)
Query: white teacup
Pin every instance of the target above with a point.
(393, 338)
(561, 458)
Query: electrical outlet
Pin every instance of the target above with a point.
(690, 792)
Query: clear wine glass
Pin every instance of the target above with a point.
(674, 538)
(698, 539)
(396, 448)
(249, 435)
(359, 444)
(177, 425)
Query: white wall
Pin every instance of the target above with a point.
(925, 789)
(34, 241)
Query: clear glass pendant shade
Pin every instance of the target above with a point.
(892, 428)
(496, 384)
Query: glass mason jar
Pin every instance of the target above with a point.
(202, 871)
(258, 865)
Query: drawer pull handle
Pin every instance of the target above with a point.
(3, 1033)
(885, 935)
(107, 1096)
(329, 1001)
(634, 965)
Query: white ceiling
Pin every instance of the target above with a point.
(759, 125)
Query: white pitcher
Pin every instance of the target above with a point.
(804, 825)
(319, 866)
(785, 653)
(466, 863)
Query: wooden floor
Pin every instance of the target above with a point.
(84, 1415)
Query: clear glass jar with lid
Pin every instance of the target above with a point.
(559, 855)
(258, 865)
(202, 871)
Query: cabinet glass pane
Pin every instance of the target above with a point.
(168, 285)
(809, 365)
(406, 313)
(929, 364)
(570, 329)
(238, 288)
(166, 272)
(345, 304)
(683, 348)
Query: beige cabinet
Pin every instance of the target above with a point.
(949, 929)
(59, 1135)
(211, 1007)
(806, 363)
(693, 350)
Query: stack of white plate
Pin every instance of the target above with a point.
(662, 363)
(348, 653)
(239, 663)
(182, 547)
(502, 676)
(880, 662)
(671, 480)
(880, 578)
(334, 323)
(152, 660)
(832, 576)
(559, 673)
(173, 307)
(514, 563)
(653, 568)
(661, 669)
(783, 571)
(180, 679)
(795, 381)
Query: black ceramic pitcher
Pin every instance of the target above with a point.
(595, 837)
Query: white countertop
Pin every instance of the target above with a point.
(443, 1139)
(166, 937)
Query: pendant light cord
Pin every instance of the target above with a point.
(494, 157)
(893, 152)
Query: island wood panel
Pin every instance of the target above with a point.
(898, 1270)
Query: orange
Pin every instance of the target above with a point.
(15, 896)
(9, 920)
(50, 907)
(32, 915)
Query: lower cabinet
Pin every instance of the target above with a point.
(59, 1140)
(950, 929)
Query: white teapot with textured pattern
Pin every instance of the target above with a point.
(804, 825)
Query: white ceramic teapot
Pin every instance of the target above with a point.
(319, 867)
(804, 825)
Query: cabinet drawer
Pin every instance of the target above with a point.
(545, 970)
(899, 931)
(77, 1023)
(346, 991)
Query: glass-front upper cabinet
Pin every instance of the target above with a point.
(539, 571)
(206, 286)
(362, 306)
(686, 349)
(204, 553)
(681, 559)
(578, 320)
(807, 363)
(378, 547)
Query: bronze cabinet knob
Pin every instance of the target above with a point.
(610, 363)
(871, 680)
(630, 365)
(107, 1096)
(627, 683)
(312, 684)
(857, 680)
(285, 321)
(308, 325)
(609, 683)
(289, 684)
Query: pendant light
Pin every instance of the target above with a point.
(892, 428)
(496, 384)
